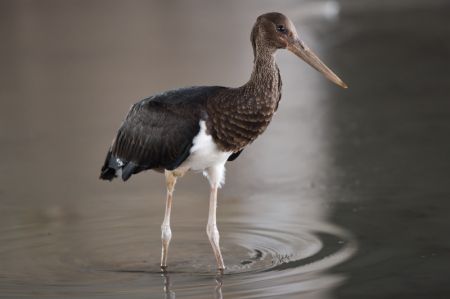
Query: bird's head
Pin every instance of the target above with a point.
(274, 31)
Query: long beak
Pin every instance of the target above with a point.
(301, 50)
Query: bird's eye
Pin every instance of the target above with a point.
(281, 28)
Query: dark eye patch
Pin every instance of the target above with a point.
(281, 28)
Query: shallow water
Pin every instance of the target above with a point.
(262, 261)
(344, 196)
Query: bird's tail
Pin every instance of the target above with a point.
(108, 171)
(116, 167)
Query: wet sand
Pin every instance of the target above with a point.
(344, 196)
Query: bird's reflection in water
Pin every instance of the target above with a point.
(218, 287)
(169, 294)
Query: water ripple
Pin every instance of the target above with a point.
(261, 260)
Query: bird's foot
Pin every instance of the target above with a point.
(220, 271)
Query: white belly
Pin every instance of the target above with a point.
(204, 152)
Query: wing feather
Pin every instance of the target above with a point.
(158, 131)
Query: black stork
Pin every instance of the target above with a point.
(201, 128)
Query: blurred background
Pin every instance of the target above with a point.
(346, 195)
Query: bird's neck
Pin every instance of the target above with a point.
(264, 80)
(240, 116)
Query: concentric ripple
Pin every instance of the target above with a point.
(261, 260)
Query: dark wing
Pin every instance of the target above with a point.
(234, 156)
(158, 132)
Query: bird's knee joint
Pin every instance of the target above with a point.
(166, 233)
(212, 232)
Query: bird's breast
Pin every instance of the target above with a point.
(236, 124)
(204, 152)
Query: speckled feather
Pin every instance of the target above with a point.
(239, 116)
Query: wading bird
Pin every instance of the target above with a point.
(201, 128)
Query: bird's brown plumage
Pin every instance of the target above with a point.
(238, 116)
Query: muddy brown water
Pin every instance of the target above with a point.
(346, 195)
